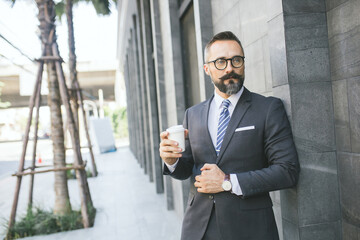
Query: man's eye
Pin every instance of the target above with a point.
(220, 61)
(236, 60)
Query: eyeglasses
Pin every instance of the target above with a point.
(221, 63)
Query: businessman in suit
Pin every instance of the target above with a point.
(239, 147)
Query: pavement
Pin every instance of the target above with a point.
(126, 202)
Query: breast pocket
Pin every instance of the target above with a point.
(242, 131)
(246, 143)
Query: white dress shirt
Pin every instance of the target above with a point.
(214, 113)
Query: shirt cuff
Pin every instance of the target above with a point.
(235, 186)
(173, 166)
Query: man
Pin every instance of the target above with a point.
(239, 147)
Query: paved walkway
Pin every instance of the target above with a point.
(127, 205)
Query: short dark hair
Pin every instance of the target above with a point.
(226, 35)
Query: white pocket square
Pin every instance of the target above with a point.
(244, 128)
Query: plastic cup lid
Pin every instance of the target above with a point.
(176, 128)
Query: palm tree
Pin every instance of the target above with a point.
(102, 7)
(47, 28)
(56, 83)
(46, 18)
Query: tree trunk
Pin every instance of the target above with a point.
(72, 61)
(74, 83)
(46, 18)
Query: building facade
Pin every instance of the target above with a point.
(305, 52)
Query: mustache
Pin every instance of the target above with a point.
(231, 75)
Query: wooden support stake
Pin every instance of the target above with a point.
(25, 142)
(38, 103)
(80, 97)
(42, 166)
(50, 58)
(32, 173)
(81, 176)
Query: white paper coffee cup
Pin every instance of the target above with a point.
(177, 133)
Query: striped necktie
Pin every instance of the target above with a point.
(224, 120)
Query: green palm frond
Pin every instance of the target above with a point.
(60, 9)
(102, 7)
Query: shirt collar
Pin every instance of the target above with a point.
(233, 98)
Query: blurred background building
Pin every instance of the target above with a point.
(305, 52)
(96, 66)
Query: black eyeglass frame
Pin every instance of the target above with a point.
(227, 59)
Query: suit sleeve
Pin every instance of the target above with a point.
(283, 165)
(185, 164)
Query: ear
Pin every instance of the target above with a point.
(206, 68)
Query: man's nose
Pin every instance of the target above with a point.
(229, 67)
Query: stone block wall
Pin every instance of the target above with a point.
(344, 44)
(305, 52)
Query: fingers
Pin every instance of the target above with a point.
(169, 150)
(169, 155)
(164, 135)
(197, 182)
(165, 141)
(169, 146)
(208, 166)
(186, 133)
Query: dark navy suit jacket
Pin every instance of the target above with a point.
(263, 157)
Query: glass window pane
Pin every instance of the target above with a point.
(190, 58)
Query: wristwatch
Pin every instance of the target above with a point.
(226, 185)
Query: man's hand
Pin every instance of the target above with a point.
(210, 180)
(168, 148)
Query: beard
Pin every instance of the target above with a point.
(233, 86)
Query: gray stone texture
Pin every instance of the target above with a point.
(344, 34)
(221, 9)
(312, 113)
(255, 67)
(323, 231)
(318, 183)
(283, 92)
(349, 171)
(354, 110)
(289, 211)
(344, 44)
(290, 230)
(341, 115)
(307, 47)
(278, 51)
(307, 212)
(304, 6)
(330, 4)
(350, 232)
(345, 54)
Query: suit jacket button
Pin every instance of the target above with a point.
(211, 197)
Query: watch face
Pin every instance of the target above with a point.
(226, 185)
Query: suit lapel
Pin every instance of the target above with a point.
(204, 116)
(239, 111)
